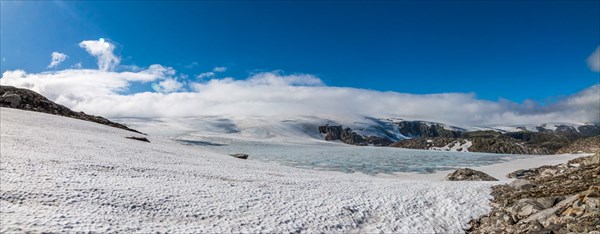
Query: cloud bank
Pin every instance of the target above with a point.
(57, 58)
(277, 94)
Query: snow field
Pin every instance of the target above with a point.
(65, 175)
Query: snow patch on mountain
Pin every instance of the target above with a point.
(455, 146)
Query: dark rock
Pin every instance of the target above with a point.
(26, 99)
(240, 156)
(138, 138)
(14, 100)
(425, 129)
(378, 141)
(520, 174)
(467, 174)
(345, 135)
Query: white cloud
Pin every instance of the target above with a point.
(211, 74)
(57, 58)
(205, 75)
(103, 51)
(74, 86)
(277, 94)
(101, 92)
(594, 60)
(167, 86)
(219, 69)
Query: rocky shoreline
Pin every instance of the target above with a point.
(550, 199)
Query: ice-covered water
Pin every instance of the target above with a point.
(365, 159)
(298, 143)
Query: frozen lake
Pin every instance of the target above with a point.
(347, 158)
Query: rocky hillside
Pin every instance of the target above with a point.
(427, 129)
(550, 199)
(501, 145)
(435, 136)
(26, 99)
(587, 145)
(523, 142)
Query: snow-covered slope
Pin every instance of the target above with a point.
(271, 129)
(59, 174)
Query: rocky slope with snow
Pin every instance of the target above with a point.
(26, 99)
(436, 136)
(550, 199)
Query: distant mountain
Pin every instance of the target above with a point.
(26, 99)
(543, 139)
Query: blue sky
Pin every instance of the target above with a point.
(496, 49)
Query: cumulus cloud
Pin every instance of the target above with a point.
(104, 92)
(167, 86)
(594, 60)
(103, 51)
(57, 58)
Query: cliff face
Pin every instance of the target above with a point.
(346, 135)
(25, 99)
(423, 129)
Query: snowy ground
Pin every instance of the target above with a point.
(59, 174)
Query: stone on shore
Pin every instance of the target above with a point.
(467, 174)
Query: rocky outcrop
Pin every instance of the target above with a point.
(25, 99)
(468, 174)
(425, 129)
(549, 199)
(346, 135)
(585, 145)
(500, 145)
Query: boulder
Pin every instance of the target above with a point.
(524, 208)
(13, 99)
(240, 156)
(467, 174)
(521, 184)
(138, 138)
